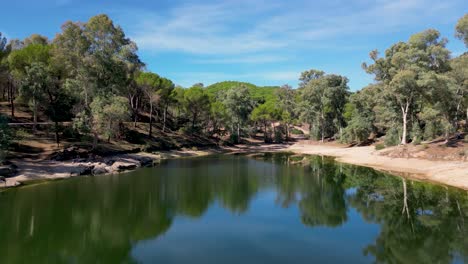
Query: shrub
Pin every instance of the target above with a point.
(6, 136)
(296, 131)
(392, 138)
(379, 146)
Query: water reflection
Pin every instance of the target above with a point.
(100, 220)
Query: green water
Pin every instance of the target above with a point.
(272, 208)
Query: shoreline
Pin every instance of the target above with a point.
(450, 173)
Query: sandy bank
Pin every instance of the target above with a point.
(453, 173)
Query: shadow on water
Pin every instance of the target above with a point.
(101, 219)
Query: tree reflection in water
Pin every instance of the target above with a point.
(89, 219)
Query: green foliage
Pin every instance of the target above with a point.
(462, 29)
(258, 94)
(238, 105)
(392, 138)
(6, 136)
(107, 114)
(296, 131)
(379, 146)
(323, 105)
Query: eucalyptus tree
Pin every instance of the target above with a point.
(461, 29)
(107, 114)
(35, 39)
(459, 76)
(239, 106)
(323, 105)
(408, 69)
(308, 76)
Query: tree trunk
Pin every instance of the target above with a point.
(57, 139)
(95, 139)
(151, 120)
(323, 127)
(164, 119)
(404, 111)
(238, 132)
(34, 116)
(11, 98)
(135, 120)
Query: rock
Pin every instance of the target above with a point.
(123, 165)
(82, 170)
(98, 170)
(8, 170)
(68, 154)
(145, 161)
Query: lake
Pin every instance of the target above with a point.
(266, 208)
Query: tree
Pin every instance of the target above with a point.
(150, 84)
(459, 76)
(6, 136)
(287, 103)
(405, 67)
(265, 114)
(33, 87)
(461, 29)
(165, 96)
(324, 99)
(107, 115)
(36, 39)
(308, 76)
(239, 106)
(197, 103)
(32, 79)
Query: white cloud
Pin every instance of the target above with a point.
(247, 27)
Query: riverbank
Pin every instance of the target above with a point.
(29, 170)
(451, 173)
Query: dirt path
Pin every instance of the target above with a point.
(453, 173)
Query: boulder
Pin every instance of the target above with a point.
(82, 169)
(145, 161)
(98, 170)
(119, 166)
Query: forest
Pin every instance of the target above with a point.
(89, 84)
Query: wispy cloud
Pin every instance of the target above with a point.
(247, 27)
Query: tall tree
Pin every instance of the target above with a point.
(150, 84)
(405, 69)
(197, 103)
(29, 66)
(461, 29)
(239, 106)
(324, 100)
(287, 102)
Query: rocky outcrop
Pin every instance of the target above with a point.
(119, 166)
(8, 169)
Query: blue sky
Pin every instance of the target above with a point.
(266, 42)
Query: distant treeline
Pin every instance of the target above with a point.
(90, 74)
